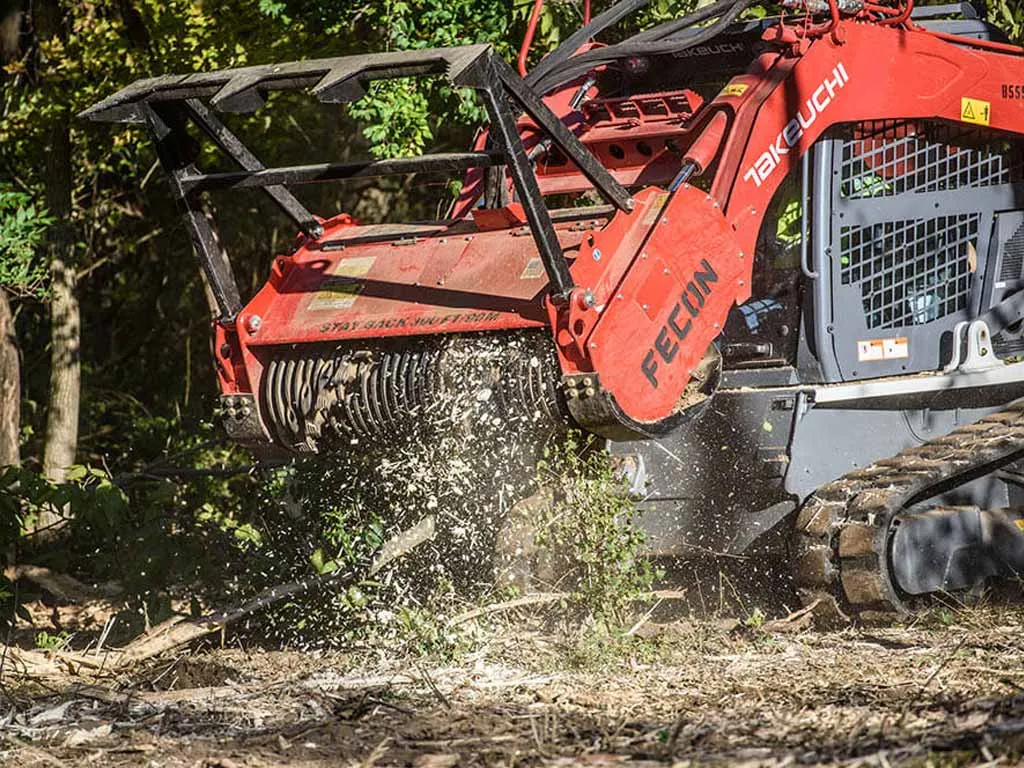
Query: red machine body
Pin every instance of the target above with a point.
(654, 284)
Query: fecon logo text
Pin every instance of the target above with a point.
(666, 343)
(790, 135)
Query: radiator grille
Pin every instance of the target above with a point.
(1006, 346)
(910, 272)
(886, 158)
(1013, 256)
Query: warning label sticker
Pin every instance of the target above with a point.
(873, 350)
(735, 89)
(339, 291)
(334, 293)
(534, 268)
(356, 267)
(975, 111)
(655, 210)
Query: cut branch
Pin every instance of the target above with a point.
(178, 631)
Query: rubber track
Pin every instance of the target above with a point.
(843, 530)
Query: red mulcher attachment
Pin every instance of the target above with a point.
(352, 333)
(631, 313)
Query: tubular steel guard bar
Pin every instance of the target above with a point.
(167, 104)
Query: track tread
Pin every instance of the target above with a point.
(841, 530)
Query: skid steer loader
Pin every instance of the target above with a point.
(798, 307)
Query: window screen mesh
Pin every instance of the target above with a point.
(910, 272)
(886, 157)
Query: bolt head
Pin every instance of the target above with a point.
(254, 323)
(590, 392)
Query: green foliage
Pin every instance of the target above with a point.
(405, 117)
(755, 620)
(23, 268)
(396, 118)
(47, 641)
(1008, 15)
(88, 495)
(592, 530)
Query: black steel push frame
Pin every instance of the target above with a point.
(168, 104)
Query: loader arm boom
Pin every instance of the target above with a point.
(776, 111)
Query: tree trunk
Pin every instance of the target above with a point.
(10, 386)
(65, 374)
(65, 371)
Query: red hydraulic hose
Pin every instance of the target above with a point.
(531, 29)
(586, 12)
(833, 9)
(908, 9)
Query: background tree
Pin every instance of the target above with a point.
(22, 274)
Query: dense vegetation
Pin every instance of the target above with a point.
(106, 394)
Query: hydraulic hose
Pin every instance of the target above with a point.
(572, 43)
(577, 66)
(667, 28)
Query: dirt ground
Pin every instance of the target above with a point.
(948, 690)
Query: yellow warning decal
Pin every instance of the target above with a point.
(735, 89)
(342, 286)
(975, 111)
(1020, 523)
(655, 210)
(334, 293)
(534, 268)
(354, 267)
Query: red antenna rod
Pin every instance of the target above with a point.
(531, 29)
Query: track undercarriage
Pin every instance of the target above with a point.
(863, 546)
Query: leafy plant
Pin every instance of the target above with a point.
(593, 530)
(48, 641)
(23, 225)
(1008, 15)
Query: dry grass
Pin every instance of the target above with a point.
(947, 690)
